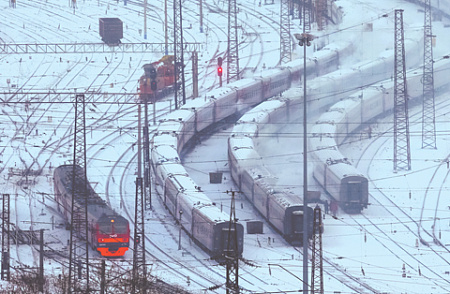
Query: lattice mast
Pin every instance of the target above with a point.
(139, 268)
(308, 14)
(79, 250)
(317, 258)
(233, 44)
(6, 233)
(232, 252)
(180, 93)
(321, 14)
(402, 153)
(428, 112)
(285, 32)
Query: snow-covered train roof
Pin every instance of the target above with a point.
(244, 128)
(323, 130)
(164, 153)
(329, 156)
(180, 115)
(197, 103)
(288, 198)
(219, 92)
(330, 117)
(243, 83)
(164, 139)
(342, 171)
(214, 213)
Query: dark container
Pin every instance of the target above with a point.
(254, 227)
(111, 30)
(215, 178)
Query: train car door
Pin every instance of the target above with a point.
(353, 191)
(225, 239)
(297, 224)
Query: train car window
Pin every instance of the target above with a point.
(105, 228)
(120, 228)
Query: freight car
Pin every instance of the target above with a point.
(108, 232)
(111, 30)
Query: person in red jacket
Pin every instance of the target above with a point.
(333, 207)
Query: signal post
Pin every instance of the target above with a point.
(219, 70)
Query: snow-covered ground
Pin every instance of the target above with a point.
(365, 251)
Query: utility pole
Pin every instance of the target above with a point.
(428, 113)
(139, 268)
(145, 19)
(317, 257)
(147, 167)
(194, 74)
(102, 277)
(285, 32)
(6, 232)
(41, 260)
(201, 16)
(402, 154)
(233, 43)
(180, 93)
(232, 252)
(305, 40)
(79, 250)
(166, 29)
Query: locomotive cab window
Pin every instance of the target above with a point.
(105, 228)
(113, 227)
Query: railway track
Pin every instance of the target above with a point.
(403, 218)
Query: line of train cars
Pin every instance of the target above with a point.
(198, 114)
(237, 97)
(332, 170)
(108, 232)
(200, 217)
(283, 209)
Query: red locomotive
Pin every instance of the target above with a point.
(109, 233)
(158, 79)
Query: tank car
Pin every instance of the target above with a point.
(108, 232)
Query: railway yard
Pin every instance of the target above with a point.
(398, 244)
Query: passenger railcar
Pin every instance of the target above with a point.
(108, 232)
(179, 127)
(200, 217)
(282, 209)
